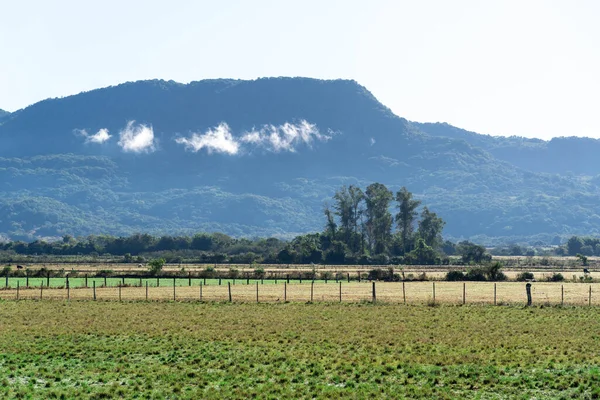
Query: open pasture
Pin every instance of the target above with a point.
(185, 350)
(267, 291)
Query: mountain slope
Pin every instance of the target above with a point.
(568, 154)
(3, 115)
(260, 158)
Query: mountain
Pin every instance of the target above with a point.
(3, 115)
(571, 155)
(262, 157)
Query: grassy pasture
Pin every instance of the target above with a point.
(543, 293)
(219, 350)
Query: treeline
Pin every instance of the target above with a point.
(360, 228)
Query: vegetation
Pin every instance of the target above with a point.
(296, 351)
(359, 229)
(54, 183)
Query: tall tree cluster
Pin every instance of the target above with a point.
(360, 224)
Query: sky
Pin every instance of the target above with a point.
(527, 68)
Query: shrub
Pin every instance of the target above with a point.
(156, 265)
(455, 276)
(377, 274)
(556, 277)
(476, 274)
(209, 272)
(259, 273)
(524, 276)
(234, 273)
(326, 275)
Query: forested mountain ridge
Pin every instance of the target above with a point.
(261, 158)
(561, 155)
(3, 115)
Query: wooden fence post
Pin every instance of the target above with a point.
(105, 283)
(528, 290)
(17, 290)
(257, 292)
(590, 297)
(6, 283)
(562, 295)
(48, 279)
(285, 292)
(340, 292)
(67, 281)
(312, 289)
(146, 290)
(201, 291)
(288, 278)
(374, 295)
(41, 290)
(94, 285)
(27, 280)
(119, 292)
(229, 289)
(494, 293)
(86, 280)
(464, 293)
(189, 279)
(219, 281)
(403, 293)
(157, 281)
(433, 292)
(122, 281)
(141, 284)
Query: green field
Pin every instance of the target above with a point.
(220, 350)
(114, 282)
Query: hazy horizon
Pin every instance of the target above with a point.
(511, 68)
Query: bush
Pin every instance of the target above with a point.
(455, 276)
(524, 276)
(556, 277)
(476, 274)
(156, 265)
(259, 273)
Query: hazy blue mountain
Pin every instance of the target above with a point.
(3, 115)
(575, 155)
(289, 143)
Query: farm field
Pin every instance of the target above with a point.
(220, 350)
(251, 291)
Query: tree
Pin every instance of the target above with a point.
(348, 208)
(156, 265)
(430, 228)
(472, 253)
(331, 227)
(422, 254)
(405, 218)
(574, 245)
(378, 223)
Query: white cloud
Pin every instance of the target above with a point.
(99, 137)
(137, 138)
(219, 140)
(372, 141)
(284, 137)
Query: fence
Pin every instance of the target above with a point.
(308, 291)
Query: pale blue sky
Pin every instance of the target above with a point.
(529, 68)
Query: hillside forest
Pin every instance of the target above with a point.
(361, 226)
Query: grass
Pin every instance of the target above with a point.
(389, 292)
(219, 350)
